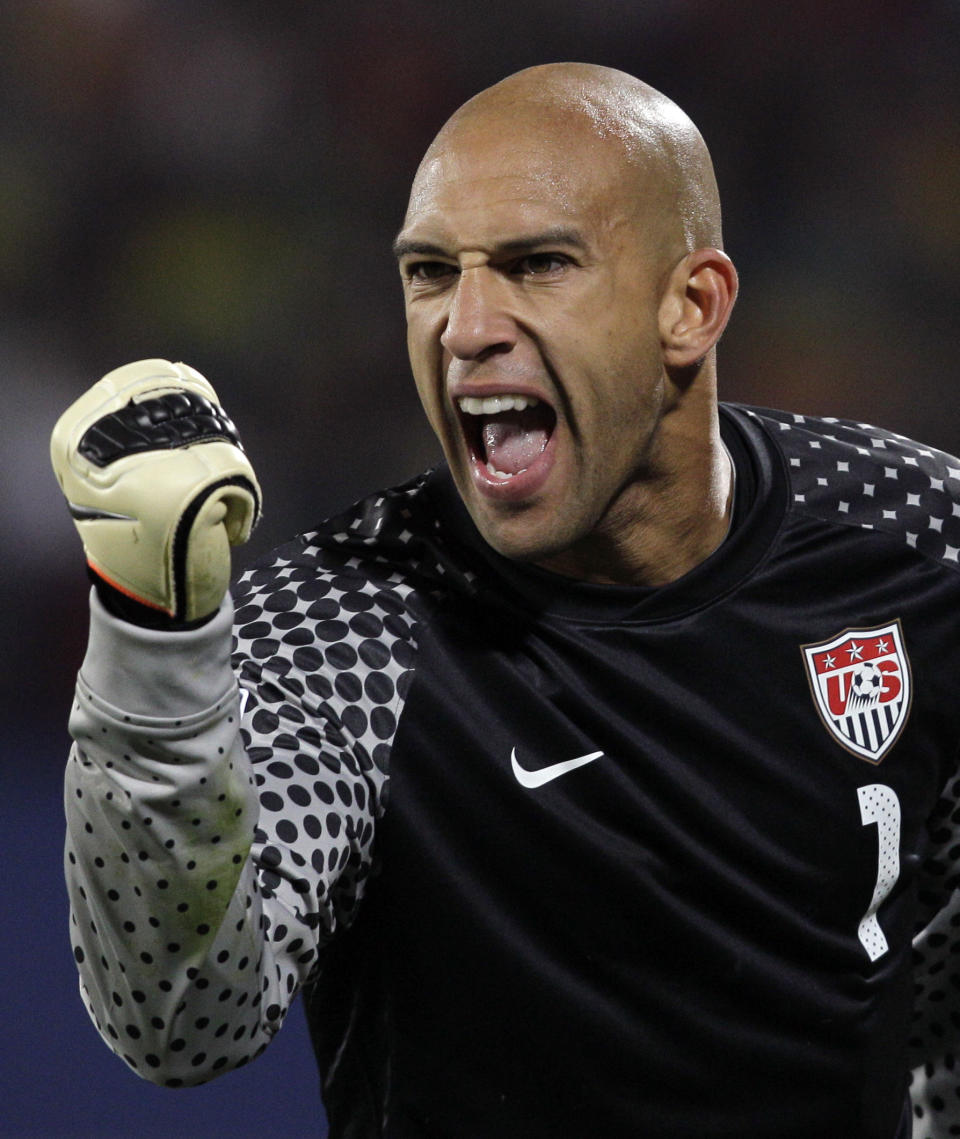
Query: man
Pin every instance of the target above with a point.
(593, 783)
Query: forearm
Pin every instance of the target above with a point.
(161, 811)
(175, 937)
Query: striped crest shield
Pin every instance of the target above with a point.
(860, 681)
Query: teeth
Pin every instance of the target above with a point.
(491, 405)
(503, 474)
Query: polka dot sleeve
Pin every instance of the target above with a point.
(163, 898)
(192, 925)
(935, 1038)
(161, 812)
(324, 655)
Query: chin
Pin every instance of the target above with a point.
(519, 538)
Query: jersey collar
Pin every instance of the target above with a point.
(760, 502)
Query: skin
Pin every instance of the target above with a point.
(562, 241)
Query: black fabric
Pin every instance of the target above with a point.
(668, 940)
(129, 609)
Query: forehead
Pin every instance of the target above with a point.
(482, 180)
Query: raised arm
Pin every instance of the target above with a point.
(192, 925)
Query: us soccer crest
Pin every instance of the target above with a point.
(860, 682)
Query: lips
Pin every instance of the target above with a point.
(508, 438)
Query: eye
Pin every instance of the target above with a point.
(540, 264)
(427, 270)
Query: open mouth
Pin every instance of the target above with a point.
(506, 434)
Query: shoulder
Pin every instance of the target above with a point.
(388, 545)
(859, 475)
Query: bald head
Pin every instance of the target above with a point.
(564, 294)
(663, 156)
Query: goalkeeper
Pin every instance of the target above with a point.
(595, 782)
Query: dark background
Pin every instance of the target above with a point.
(219, 182)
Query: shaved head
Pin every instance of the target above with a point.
(663, 153)
(565, 289)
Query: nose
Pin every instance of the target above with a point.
(478, 323)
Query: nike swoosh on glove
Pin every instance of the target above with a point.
(158, 486)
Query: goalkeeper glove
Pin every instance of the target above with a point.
(159, 487)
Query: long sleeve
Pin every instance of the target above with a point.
(161, 814)
(193, 927)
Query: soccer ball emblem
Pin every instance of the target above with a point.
(866, 686)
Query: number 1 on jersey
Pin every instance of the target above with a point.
(879, 804)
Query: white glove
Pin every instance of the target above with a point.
(158, 485)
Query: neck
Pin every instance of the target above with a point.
(666, 521)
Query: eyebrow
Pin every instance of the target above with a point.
(404, 247)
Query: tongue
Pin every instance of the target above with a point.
(513, 441)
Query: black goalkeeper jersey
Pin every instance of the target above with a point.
(649, 861)
(556, 859)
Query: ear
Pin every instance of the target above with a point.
(696, 306)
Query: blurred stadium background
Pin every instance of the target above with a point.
(219, 182)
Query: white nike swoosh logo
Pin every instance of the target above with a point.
(533, 779)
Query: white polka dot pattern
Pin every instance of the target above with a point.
(861, 475)
(324, 650)
(161, 889)
(197, 951)
(879, 804)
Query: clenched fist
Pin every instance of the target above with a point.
(158, 485)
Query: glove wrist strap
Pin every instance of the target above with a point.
(125, 608)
